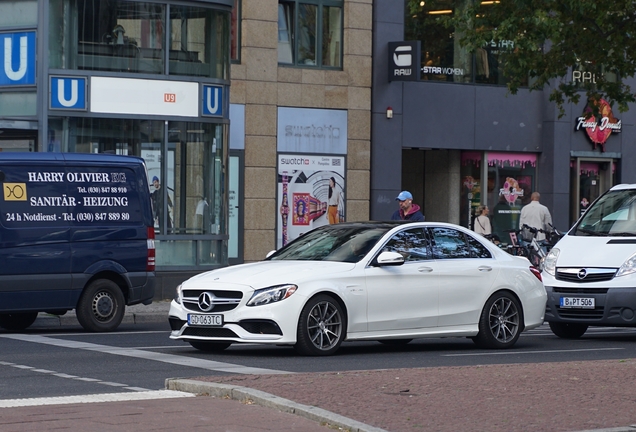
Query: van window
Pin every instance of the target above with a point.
(613, 214)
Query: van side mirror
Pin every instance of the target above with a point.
(389, 259)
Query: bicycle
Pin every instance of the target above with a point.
(534, 250)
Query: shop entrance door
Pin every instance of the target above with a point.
(589, 179)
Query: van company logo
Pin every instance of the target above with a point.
(14, 191)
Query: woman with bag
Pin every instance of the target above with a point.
(482, 222)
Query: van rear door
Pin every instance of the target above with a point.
(34, 237)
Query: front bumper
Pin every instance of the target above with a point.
(615, 306)
(274, 324)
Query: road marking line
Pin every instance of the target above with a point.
(107, 397)
(529, 352)
(147, 355)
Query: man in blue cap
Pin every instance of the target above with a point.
(408, 210)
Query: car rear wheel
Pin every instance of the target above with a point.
(101, 306)
(321, 327)
(209, 346)
(568, 330)
(500, 322)
(17, 321)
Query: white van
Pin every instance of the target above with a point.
(590, 274)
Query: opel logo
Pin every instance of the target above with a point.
(582, 273)
(206, 302)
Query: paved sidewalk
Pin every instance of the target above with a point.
(572, 396)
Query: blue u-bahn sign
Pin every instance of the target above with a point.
(17, 54)
(212, 100)
(68, 93)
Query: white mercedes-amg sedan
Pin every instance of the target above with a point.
(364, 281)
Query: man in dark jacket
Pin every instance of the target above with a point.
(408, 210)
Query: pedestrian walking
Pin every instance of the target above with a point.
(482, 221)
(408, 210)
(535, 215)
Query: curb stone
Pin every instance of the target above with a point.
(270, 401)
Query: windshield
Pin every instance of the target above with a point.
(613, 214)
(332, 243)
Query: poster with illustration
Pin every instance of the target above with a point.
(310, 194)
(152, 157)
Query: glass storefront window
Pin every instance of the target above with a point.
(126, 36)
(331, 36)
(186, 173)
(199, 42)
(510, 182)
(513, 178)
(443, 58)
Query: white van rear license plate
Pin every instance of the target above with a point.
(205, 320)
(578, 302)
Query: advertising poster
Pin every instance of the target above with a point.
(310, 194)
(153, 165)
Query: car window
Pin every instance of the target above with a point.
(449, 243)
(478, 250)
(412, 243)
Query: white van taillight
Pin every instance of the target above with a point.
(150, 265)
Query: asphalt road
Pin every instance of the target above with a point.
(64, 361)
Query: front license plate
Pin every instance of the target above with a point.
(577, 302)
(205, 320)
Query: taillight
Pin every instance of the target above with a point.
(150, 265)
(535, 271)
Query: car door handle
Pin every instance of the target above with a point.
(484, 268)
(424, 269)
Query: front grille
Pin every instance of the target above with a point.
(590, 314)
(585, 275)
(216, 332)
(579, 290)
(222, 301)
(261, 327)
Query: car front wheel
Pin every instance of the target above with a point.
(321, 327)
(568, 330)
(500, 322)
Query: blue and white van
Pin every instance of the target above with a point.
(76, 232)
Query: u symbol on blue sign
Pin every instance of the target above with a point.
(213, 109)
(74, 94)
(8, 51)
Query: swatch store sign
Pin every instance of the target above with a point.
(404, 61)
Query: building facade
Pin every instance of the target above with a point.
(301, 91)
(253, 116)
(143, 78)
(456, 138)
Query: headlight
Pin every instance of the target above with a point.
(549, 265)
(628, 266)
(271, 294)
(177, 295)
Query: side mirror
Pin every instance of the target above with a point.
(389, 259)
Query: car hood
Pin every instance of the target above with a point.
(267, 273)
(586, 251)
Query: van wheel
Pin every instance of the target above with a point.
(568, 330)
(101, 306)
(17, 321)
